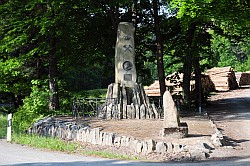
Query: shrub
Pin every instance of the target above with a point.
(34, 108)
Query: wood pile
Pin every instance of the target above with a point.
(243, 78)
(153, 90)
(223, 78)
(173, 83)
(207, 84)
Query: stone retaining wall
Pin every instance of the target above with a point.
(72, 132)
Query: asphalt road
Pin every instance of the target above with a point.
(231, 112)
(18, 155)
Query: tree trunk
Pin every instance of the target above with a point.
(187, 66)
(53, 87)
(160, 64)
(198, 86)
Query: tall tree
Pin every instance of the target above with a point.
(159, 50)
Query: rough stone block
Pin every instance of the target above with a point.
(84, 138)
(177, 148)
(97, 134)
(137, 111)
(142, 111)
(123, 141)
(131, 142)
(170, 147)
(74, 135)
(150, 145)
(144, 147)
(160, 147)
(134, 144)
(100, 140)
(176, 132)
(69, 134)
(117, 141)
(139, 147)
(111, 137)
(129, 111)
(79, 135)
(87, 135)
(127, 141)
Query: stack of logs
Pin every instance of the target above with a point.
(174, 85)
(223, 78)
(243, 78)
(215, 79)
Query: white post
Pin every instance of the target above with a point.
(9, 127)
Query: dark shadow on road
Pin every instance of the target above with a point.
(198, 135)
(229, 109)
(234, 142)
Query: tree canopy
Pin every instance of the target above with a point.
(64, 46)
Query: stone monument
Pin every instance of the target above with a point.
(172, 126)
(130, 98)
(125, 71)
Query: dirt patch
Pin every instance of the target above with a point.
(199, 129)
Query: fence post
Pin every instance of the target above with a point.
(9, 127)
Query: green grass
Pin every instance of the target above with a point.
(3, 126)
(45, 142)
(109, 155)
(56, 144)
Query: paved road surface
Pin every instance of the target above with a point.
(231, 113)
(12, 154)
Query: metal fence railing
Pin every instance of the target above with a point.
(92, 107)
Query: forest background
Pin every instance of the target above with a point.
(52, 51)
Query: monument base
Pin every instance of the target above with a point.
(130, 103)
(175, 132)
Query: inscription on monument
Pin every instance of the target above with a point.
(128, 77)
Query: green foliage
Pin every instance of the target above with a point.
(35, 107)
(94, 93)
(3, 126)
(231, 53)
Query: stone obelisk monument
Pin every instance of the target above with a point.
(172, 127)
(125, 71)
(125, 98)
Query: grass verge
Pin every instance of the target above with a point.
(56, 144)
(45, 142)
(3, 126)
(106, 154)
